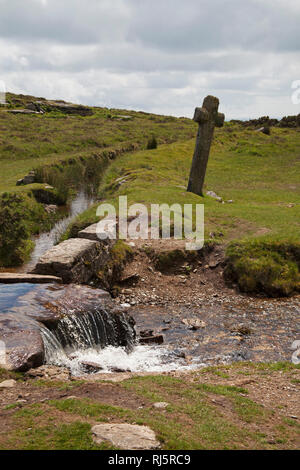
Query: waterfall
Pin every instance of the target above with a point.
(78, 332)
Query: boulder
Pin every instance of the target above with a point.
(126, 436)
(24, 346)
(76, 260)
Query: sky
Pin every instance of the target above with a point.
(161, 56)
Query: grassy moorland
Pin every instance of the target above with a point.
(258, 178)
(66, 151)
(223, 407)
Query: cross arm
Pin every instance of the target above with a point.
(201, 115)
(220, 120)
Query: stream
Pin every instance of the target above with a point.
(47, 240)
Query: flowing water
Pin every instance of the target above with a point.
(47, 240)
(97, 340)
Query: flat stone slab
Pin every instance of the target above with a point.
(75, 260)
(126, 436)
(92, 233)
(15, 278)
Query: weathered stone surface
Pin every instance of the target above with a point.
(194, 323)
(22, 111)
(63, 107)
(28, 179)
(91, 367)
(126, 436)
(208, 118)
(158, 339)
(92, 233)
(23, 343)
(75, 260)
(161, 405)
(50, 373)
(14, 278)
(8, 384)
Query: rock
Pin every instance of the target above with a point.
(158, 339)
(50, 372)
(214, 264)
(126, 436)
(132, 278)
(92, 233)
(214, 195)
(75, 260)
(29, 179)
(91, 367)
(63, 107)
(22, 111)
(24, 345)
(8, 384)
(161, 405)
(265, 130)
(51, 208)
(194, 323)
(146, 333)
(15, 278)
(118, 370)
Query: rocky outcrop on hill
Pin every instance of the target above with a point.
(61, 106)
(266, 121)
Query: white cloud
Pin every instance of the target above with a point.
(162, 56)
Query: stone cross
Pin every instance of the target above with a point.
(207, 117)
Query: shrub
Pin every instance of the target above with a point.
(152, 143)
(15, 245)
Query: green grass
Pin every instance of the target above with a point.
(260, 186)
(259, 173)
(74, 436)
(66, 151)
(87, 408)
(200, 415)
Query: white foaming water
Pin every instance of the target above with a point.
(84, 343)
(110, 359)
(141, 359)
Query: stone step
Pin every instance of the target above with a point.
(18, 278)
(92, 233)
(76, 260)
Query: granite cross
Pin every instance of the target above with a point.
(207, 117)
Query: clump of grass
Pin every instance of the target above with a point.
(86, 407)
(264, 266)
